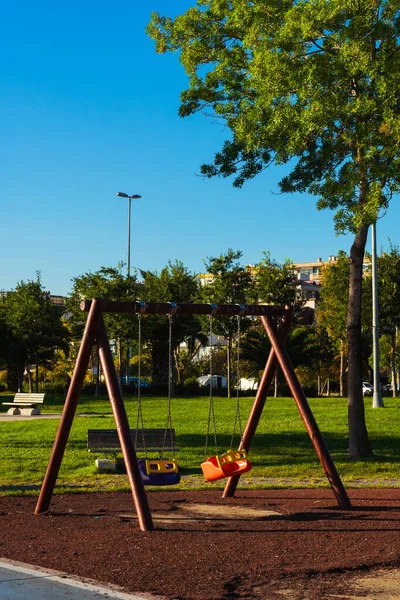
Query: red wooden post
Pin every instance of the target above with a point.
(306, 414)
(124, 434)
(70, 405)
(258, 405)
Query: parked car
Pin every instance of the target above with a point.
(247, 384)
(387, 389)
(218, 381)
(134, 381)
(367, 389)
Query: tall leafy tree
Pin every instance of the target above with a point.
(109, 283)
(389, 302)
(230, 283)
(175, 283)
(276, 283)
(313, 82)
(33, 328)
(333, 308)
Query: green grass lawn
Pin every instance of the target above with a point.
(282, 454)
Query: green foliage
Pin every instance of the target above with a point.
(108, 283)
(388, 270)
(231, 283)
(276, 283)
(313, 81)
(177, 284)
(332, 310)
(32, 326)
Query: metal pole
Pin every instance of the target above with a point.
(306, 414)
(128, 350)
(258, 405)
(377, 401)
(70, 405)
(124, 434)
(129, 235)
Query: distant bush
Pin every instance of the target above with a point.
(3, 381)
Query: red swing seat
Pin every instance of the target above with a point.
(229, 464)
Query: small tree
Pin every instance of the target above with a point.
(175, 283)
(231, 283)
(276, 283)
(332, 310)
(33, 327)
(389, 302)
(108, 283)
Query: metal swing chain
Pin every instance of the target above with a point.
(237, 414)
(211, 413)
(139, 419)
(168, 423)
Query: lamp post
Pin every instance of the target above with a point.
(135, 197)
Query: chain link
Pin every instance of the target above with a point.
(168, 424)
(211, 413)
(237, 413)
(139, 418)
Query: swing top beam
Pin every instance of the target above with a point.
(172, 308)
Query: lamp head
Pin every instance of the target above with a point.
(123, 195)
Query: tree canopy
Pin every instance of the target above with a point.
(32, 327)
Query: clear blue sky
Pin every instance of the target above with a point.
(87, 109)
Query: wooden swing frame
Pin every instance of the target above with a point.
(95, 333)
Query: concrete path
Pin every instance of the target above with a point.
(6, 417)
(19, 581)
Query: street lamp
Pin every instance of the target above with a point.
(134, 196)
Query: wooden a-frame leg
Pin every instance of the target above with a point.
(70, 405)
(306, 414)
(124, 434)
(258, 405)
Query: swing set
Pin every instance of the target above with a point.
(232, 463)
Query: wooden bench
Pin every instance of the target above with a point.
(106, 440)
(25, 404)
(148, 440)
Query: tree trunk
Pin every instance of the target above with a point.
(179, 368)
(359, 445)
(393, 363)
(120, 362)
(276, 383)
(12, 377)
(20, 377)
(159, 365)
(30, 378)
(319, 384)
(228, 366)
(342, 370)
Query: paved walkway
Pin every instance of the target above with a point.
(19, 581)
(6, 417)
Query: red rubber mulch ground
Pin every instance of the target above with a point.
(310, 545)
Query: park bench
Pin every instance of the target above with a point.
(25, 404)
(145, 440)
